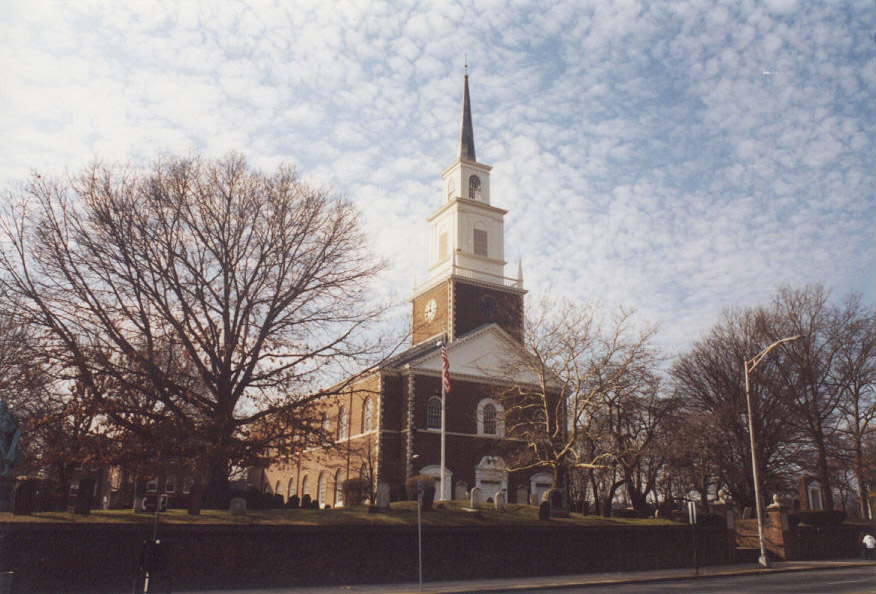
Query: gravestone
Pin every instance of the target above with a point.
(237, 507)
(477, 498)
(460, 493)
(196, 496)
(544, 511)
(747, 513)
(7, 485)
(522, 494)
(556, 499)
(533, 499)
(383, 495)
(24, 498)
(499, 499)
(83, 497)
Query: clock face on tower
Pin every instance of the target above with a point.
(431, 310)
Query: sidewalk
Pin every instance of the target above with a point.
(567, 581)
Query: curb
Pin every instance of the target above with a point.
(597, 582)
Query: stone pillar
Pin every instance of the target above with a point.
(779, 540)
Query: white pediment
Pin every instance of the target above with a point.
(486, 354)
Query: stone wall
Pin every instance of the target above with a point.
(103, 558)
(790, 542)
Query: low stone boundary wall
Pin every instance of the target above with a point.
(103, 558)
(789, 542)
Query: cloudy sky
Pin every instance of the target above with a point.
(673, 157)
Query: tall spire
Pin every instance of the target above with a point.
(466, 131)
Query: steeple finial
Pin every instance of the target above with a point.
(466, 131)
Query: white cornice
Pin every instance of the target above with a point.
(466, 202)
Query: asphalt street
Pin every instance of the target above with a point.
(837, 581)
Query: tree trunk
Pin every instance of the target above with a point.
(216, 493)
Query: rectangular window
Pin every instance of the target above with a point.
(480, 242)
(170, 485)
(152, 486)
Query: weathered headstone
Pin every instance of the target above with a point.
(383, 495)
(7, 484)
(24, 498)
(522, 494)
(499, 499)
(237, 507)
(559, 507)
(747, 513)
(196, 496)
(460, 493)
(83, 497)
(544, 511)
(477, 498)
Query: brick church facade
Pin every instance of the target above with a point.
(387, 425)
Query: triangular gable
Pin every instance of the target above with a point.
(487, 353)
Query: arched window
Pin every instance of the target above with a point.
(290, 490)
(474, 187)
(367, 415)
(342, 423)
(267, 489)
(305, 486)
(277, 488)
(340, 477)
(321, 485)
(433, 413)
(490, 418)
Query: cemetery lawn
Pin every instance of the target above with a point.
(401, 513)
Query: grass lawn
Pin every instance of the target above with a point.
(402, 513)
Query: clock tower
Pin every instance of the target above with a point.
(466, 287)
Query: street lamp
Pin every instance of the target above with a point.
(749, 365)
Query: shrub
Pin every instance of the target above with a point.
(305, 501)
(355, 490)
(428, 489)
(293, 502)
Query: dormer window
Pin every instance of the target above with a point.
(474, 187)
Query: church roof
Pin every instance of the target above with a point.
(487, 353)
(466, 131)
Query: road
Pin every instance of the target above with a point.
(836, 581)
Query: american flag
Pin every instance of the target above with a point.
(445, 369)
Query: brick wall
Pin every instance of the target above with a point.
(102, 558)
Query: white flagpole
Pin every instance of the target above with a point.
(443, 424)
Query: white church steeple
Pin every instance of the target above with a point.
(466, 233)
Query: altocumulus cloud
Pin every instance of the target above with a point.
(676, 157)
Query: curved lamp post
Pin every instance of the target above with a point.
(750, 364)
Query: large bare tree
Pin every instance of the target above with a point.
(199, 296)
(827, 376)
(574, 358)
(710, 381)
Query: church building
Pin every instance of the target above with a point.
(387, 425)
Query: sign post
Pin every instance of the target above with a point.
(692, 516)
(420, 528)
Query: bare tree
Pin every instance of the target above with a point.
(573, 358)
(827, 375)
(213, 293)
(856, 365)
(709, 380)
